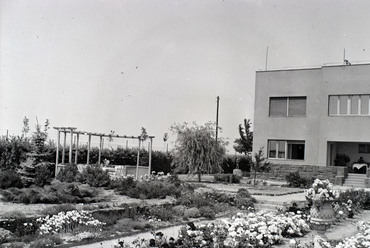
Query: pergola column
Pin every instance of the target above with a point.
(138, 160)
(88, 150)
(57, 154)
(76, 152)
(150, 156)
(70, 148)
(64, 146)
(100, 148)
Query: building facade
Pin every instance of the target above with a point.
(315, 116)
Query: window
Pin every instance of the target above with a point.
(288, 106)
(349, 105)
(286, 149)
(364, 148)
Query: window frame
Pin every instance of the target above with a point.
(288, 108)
(342, 105)
(286, 143)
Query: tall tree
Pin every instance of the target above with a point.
(196, 151)
(245, 142)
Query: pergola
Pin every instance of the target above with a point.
(73, 131)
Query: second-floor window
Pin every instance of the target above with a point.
(288, 106)
(349, 104)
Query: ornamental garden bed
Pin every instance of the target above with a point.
(118, 215)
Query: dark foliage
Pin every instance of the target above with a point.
(57, 193)
(69, 173)
(13, 151)
(229, 178)
(9, 179)
(295, 180)
(245, 142)
(44, 173)
(231, 162)
(161, 161)
(95, 176)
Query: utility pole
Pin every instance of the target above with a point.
(218, 103)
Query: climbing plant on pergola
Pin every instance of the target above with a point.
(73, 132)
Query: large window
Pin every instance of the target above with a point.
(349, 105)
(286, 149)
(288, 106)
(364, 148)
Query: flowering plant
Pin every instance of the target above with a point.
(321, 191)
(67, 221)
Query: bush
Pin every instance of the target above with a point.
(154, 189)
(244, 199)
(44, 173)
(164, 213)
(207, 212)
(192, 213)
(57, 193)
(161, 161)
(230, 178)
(13, 151)
(231, 162)
(179, 210)
(145, 189)
(48, 241)
(296, 181)
(68, 173)
(95, 176)
(10, 179)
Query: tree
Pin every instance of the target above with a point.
(245, 142)
(196, 151)
(259, 164)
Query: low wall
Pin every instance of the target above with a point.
(335, 174)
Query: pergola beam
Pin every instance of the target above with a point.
(72, 131)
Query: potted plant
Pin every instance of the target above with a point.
(321, 195)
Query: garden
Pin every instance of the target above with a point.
(81, 207)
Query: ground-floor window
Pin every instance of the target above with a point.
(286, 149)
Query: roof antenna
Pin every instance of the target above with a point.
(267, 54)
(345, 61)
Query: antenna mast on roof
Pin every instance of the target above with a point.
(345, 61)
(267, 54)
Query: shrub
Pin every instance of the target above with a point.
(230, 178)
(68, 173)
(296, 181)
(179, 210)
(13, 151)
(358, 199)
(192, 213)
(44, 173)
(244, 199)
(47, 241)
(57, 193)
(161, 161)
(57, 209)
(207, 212)
(95, 176)
(231, 162)
(5, 235)
(161, 212)
(123, 184)
(9, 179)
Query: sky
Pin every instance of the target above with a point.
(102, 65)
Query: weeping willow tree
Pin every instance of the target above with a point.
(196, 151)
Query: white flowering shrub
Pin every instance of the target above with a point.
(360, 240)
(320, 191)
(67, 221)
(261, 229)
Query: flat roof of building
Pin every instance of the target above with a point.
(314, 67)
